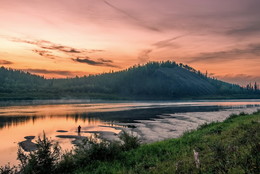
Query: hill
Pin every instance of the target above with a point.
(154, 80)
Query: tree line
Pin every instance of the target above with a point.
(154, 80)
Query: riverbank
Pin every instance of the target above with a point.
(32, 96)
(231, 146)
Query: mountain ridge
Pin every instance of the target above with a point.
(154, 80)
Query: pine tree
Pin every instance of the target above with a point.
(255, 86)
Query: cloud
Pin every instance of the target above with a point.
(105, 60)
(237, 53)
(5, 62)
(49, 45)
(245, 30)
(56, 72)
(242, 79)
(245, 23)
(144, 55)
(98, 62)
(43, 44)
(167, 42)
(45, 53)
(132, 17)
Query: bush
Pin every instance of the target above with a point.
(129, 141)
(97, 149)
(7, 169)
(93, 150)
(43, 160)
(67, 163)
(47, 158)
(102, 150)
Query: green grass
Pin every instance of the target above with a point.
(232, 146)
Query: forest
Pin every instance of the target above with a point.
(154, 80)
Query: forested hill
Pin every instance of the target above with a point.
(154, 80)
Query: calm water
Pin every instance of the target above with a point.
(152, 121)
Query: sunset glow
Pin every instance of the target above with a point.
(67, 38)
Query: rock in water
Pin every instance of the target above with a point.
(28, 145)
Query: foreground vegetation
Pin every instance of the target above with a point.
(232, 146)
(229, 147)
(154, 80)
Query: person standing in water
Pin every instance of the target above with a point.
(79, 129)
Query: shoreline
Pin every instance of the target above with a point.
(157, 129)
(177, 155)
(160, 127)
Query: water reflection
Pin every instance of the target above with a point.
(149, 119)
(125, 116)
(16, 129)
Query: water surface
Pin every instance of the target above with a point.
(152, 121)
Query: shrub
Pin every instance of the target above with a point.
(129, 141)
(43, 160)
(47, 158)
(7, 169)
(67, 163)
(97, 149)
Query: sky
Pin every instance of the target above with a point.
(65, 38)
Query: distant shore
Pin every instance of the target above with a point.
(111, 97)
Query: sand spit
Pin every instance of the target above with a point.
(28, 145)
(61, 131)
(174, 125)
(163, 127)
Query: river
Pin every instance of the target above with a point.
(150, 120)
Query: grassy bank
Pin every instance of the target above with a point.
(232, 146)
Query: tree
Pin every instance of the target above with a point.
(255, 86)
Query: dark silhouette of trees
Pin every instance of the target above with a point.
(256, 86)
(154, 80)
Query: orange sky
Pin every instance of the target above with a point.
(66, 38)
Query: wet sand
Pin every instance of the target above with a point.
(164, 127)
(174, 125)
(28, 145)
